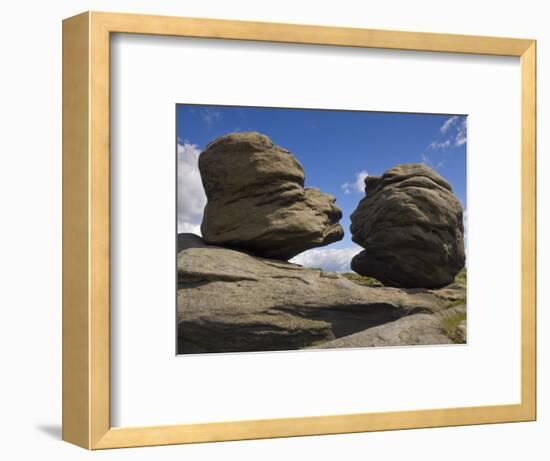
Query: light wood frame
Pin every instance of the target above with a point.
(86, 325)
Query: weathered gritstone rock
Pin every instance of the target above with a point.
(229, 301)
(410, 224)
(257, 202)
(416, 329)
(461, 335)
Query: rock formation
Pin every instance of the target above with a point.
(229, 301)
(410, 224)
(257, 201)
(411, 330)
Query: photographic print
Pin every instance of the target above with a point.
(319, 229)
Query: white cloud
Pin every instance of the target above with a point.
(328, 259)
(448, 123)
(452, 134)
(436, 145)
(360, 181)
(191, 197)
(461, 134)
(453, 137)
(358, 185)
(185, 227)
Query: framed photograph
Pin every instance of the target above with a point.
(276, 230)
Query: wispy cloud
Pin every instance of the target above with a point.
(461, 133)
(191, 197)
(436, 145)
(357, 185)
(452, 133)
(210, 116)
(432, 163)
(327, 259)
(448, 124)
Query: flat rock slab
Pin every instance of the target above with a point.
(229, 301)
(416, 329)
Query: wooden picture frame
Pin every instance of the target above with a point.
(86, 230)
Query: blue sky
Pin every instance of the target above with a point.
(336, 148)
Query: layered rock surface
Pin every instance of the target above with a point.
(410, 224)
(229, 301)
(419, 329)
(257, 201)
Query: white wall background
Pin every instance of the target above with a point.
(30, 239)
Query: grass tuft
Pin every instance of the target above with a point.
(362, 280)
(461, 277)
(450, 323)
